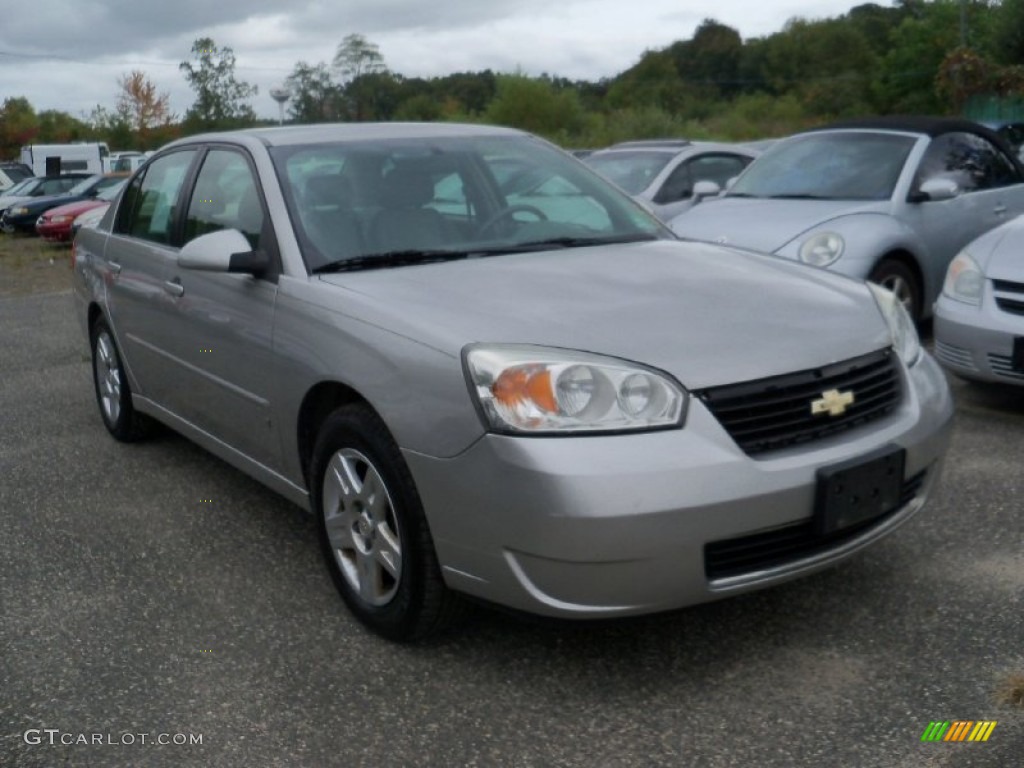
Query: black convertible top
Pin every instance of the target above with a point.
(928, 125)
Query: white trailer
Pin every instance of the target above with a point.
(48, 159)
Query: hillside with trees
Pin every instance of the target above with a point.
(914, 56)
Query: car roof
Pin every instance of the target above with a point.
(689, 148)
(328, 132)
(927, 125)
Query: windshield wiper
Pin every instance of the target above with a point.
(576, 242)
(804, 196)
(389, 259)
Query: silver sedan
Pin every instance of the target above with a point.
(529, 394)
(979, 319)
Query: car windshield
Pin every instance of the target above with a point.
(15, 173)
(846, 165)
(24, 187)
(85, 185)
(632, 170)
(359, 204)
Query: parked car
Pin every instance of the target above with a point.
(663, 173)
(576, 419)
(90, 218)
(1012, 133)
(55, 224)
(979, 318)
(39, 186)
(888, 199)
(22, 217)
(12, 174)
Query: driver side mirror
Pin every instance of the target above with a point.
(705, 188)
(935, 190)
(226, 250)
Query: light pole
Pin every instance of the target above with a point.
(280, 95)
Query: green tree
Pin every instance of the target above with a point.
(222, 101)
(1008, 32)
(535, 106)
(19, 125)
(316, 98)
(357, 56)
(56, 127)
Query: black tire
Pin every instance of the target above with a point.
(404, 600)
(901, 280)
(113, 393)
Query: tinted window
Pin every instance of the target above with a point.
(225, 197)
(971, 161)
(149, 206)
(839, 165)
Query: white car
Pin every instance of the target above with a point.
(979, 318)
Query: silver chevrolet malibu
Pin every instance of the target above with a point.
(531, 393)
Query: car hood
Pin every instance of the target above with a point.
(763, 224)
(75, 208)
(6, 201)
(706, 314)
(49, 201)
(1000, 253)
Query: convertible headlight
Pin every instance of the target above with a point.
(964, 279)
(525, 389)
(822, 249)
(904, 335)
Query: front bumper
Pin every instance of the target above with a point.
(977, 342)
(585, 527)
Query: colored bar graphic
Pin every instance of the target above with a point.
(958, 730)
(982, 730)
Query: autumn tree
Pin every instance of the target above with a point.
(222, 101)
(141, 106)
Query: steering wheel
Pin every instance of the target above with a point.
(504, 213)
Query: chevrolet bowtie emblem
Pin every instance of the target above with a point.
(833, 402)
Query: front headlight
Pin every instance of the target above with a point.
(19, 211)
(822, 249)
(964, 280)
(60, 219)
(901, 328)
(525, 389)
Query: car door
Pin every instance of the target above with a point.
(223, 322)
(138, 256)
(990, 193)
(676, 194)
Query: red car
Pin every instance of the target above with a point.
(55, 224)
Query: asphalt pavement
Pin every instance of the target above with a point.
(152, 595)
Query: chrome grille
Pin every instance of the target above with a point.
(776, 412)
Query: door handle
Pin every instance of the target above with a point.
(114, 267)
(174, 288)
(1000, 209)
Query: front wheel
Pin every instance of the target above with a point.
(901, 280)
(373, 531)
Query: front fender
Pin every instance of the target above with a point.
(867, 237)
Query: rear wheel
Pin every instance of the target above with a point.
(113, 393)
(373, 531)
(901, 280)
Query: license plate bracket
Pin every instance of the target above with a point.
(858, 490)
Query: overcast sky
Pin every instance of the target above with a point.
(68, 54)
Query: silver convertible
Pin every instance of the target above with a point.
(886, 199)
(532, 395)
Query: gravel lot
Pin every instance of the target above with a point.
(153, 590)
